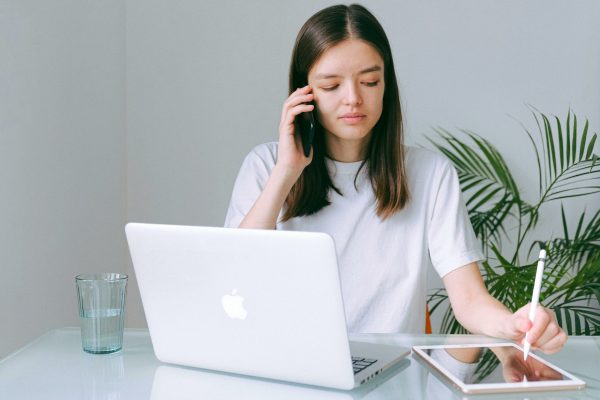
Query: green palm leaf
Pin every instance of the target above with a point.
(567, 167)
(485, 177)
(571, 169)
(578, 319)
(584, 244)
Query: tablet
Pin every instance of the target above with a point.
(495, 368)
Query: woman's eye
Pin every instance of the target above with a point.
(329, 88)
(371, 84)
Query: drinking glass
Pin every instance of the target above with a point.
(101, 300)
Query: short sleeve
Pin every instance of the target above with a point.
(249, 184)
(451, 240)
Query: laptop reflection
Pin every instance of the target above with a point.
(180, 383)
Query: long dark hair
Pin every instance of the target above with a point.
(385, 151)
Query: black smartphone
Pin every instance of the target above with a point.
(305, 126)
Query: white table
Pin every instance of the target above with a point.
(55, 367)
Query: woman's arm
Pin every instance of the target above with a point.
(480, 313)
(290, 164)
(264, 212)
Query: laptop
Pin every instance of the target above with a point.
(264, 303)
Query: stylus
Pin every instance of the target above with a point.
(535, 298)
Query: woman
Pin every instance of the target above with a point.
(392, 210)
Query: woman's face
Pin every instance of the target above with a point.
(348, 86)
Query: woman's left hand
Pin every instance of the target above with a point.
(544, 334)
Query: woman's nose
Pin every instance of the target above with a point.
(352, 95)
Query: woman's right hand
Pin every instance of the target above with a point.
(290, 164)
(290, 154)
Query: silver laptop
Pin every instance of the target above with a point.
(255, 302)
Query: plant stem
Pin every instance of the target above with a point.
(530, 225)
(519, 239)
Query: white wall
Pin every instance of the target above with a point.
(62, 158)
(206, 81)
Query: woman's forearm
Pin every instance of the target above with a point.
(473, 306)
(265, 211)
(485, 315)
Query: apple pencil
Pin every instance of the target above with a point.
(535, 297)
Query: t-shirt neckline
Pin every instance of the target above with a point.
(345, 168)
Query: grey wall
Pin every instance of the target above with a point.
(62, 158)
(206, 82)
(114, 111)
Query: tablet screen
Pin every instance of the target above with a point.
(501, 364)
(494, 366)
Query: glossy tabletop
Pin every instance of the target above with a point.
(55, 367)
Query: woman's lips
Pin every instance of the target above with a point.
(353, 118)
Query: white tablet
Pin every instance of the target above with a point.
(495, 368)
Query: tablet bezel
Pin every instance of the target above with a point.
(572, 383)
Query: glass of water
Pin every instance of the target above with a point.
(101, 300)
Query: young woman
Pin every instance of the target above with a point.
(392, 210)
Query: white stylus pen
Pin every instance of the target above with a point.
(535, 298)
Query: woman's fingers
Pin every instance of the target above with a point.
(290, 149)
(545, 333)
(301, 95)
(552, 341)
(294, 105)
(540, 324)
(300, 109)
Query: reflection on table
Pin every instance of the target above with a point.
(55, 367)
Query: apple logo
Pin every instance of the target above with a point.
(233, 305)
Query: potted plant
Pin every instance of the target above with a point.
(568, 167)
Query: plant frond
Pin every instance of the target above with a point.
(568, 166)
(485, 179)
(578, 320)
(561, 159)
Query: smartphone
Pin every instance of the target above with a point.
(305, 126)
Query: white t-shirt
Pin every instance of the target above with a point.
(383, 263)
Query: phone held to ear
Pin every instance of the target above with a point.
(305, 126)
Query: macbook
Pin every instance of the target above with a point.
(264, 303)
